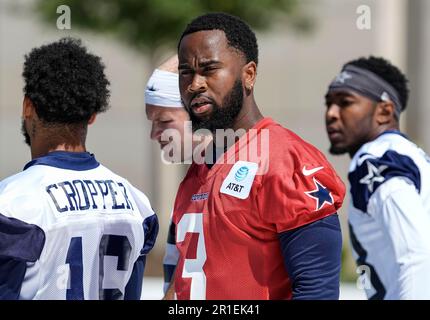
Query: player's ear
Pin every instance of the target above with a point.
(249, 76)
(92, 119)
(27, 108)
(385, 112)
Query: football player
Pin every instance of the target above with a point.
(69, 227)
(249, 226)
(165, 111)
(171, 129)
(389, 212)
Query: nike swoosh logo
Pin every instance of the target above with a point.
(307, 172)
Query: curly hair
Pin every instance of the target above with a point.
(387, 71)
(239, 35)
(65, 83)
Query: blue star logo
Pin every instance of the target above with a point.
(321, 194)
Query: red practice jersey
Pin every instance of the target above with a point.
(228, 218)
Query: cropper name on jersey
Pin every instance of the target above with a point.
(81, 195)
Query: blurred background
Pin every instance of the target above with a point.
(302, 44)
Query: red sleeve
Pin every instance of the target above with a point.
(300, 187)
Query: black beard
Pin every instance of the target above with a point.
(25, 134)
(223, 116)
(337, 151)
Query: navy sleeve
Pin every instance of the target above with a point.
(20, 243)
(312, 255)
(133, 290)
(150, 227)
(170, 258)
(373, 172)
(171, 237)
(12, 273)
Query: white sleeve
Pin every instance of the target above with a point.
(398, 208)
(142, 202)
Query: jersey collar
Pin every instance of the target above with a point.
(394, 132)
(202, 169)
(78, 161)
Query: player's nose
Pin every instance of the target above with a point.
(155, 132)
(332, 113)
(197, 85)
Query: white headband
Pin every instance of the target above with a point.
(162, 89)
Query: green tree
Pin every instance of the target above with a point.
(148, 25)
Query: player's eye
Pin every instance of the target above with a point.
(345, 102)
(185, 71)
(210, 69)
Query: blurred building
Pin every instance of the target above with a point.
(294, 72)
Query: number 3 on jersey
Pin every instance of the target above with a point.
(192, 224)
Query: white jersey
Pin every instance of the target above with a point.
(389, 217)
(72, 229)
